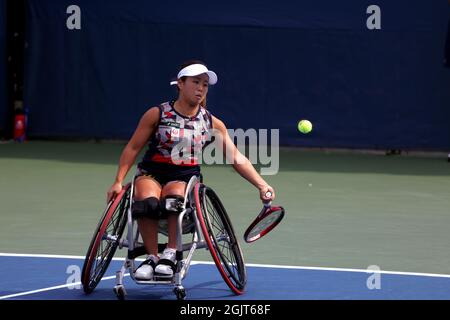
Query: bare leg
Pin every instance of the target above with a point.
(147, 187)
(173, 188)
(172, 230)
(149, 232)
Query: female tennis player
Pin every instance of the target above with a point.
(163, 173)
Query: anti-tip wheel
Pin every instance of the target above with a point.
(180, 293)
(120, 292)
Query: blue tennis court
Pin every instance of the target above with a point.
(55, 278)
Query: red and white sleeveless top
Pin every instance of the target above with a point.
(179, 139)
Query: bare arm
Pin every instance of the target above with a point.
(240, 162)
(144, 130)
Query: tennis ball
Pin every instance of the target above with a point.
(304, 126)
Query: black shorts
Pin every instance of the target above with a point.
(165, 173)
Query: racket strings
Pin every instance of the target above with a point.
(265, 222)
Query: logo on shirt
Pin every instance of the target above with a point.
(175, 133)
(170, 124)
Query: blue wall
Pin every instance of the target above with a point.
(3, 88)
(277, 62)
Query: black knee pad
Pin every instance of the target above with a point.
(147, 208)
(171, 204)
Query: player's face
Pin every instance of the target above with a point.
(194, 89)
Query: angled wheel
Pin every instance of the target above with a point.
(220, 238)
(180, 292)
(105, 240)
(120, 292)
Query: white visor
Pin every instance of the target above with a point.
(194, 70)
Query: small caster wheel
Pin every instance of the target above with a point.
(180, 293)
(120, 292)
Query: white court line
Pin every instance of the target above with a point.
(204, 262)
(51, 288)
(26, 255)
(419, 274)
(437, 275)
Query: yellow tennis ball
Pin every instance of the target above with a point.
(304, 126)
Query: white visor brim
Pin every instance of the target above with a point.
(195, 70)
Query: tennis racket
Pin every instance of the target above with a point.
(267, 219)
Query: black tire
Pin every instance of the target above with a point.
(101, 250)
(180, 293)
(120, 292)
(221, 239)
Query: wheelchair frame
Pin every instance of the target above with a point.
(194, 218)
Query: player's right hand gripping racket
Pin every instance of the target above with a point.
(266, 220)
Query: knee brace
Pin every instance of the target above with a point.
(148, 208)
(172, 204)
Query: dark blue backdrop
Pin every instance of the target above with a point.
(3, 97)
(277, 61)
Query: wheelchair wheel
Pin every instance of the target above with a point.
(220, 238)
(105, 240)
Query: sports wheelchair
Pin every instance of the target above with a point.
(203, 216)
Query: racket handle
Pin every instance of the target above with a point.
(268, 195)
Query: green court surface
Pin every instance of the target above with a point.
(344, 210)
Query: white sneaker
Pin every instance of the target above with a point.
(146, 268)
(166, 264)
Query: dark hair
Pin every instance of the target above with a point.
(188, 63)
